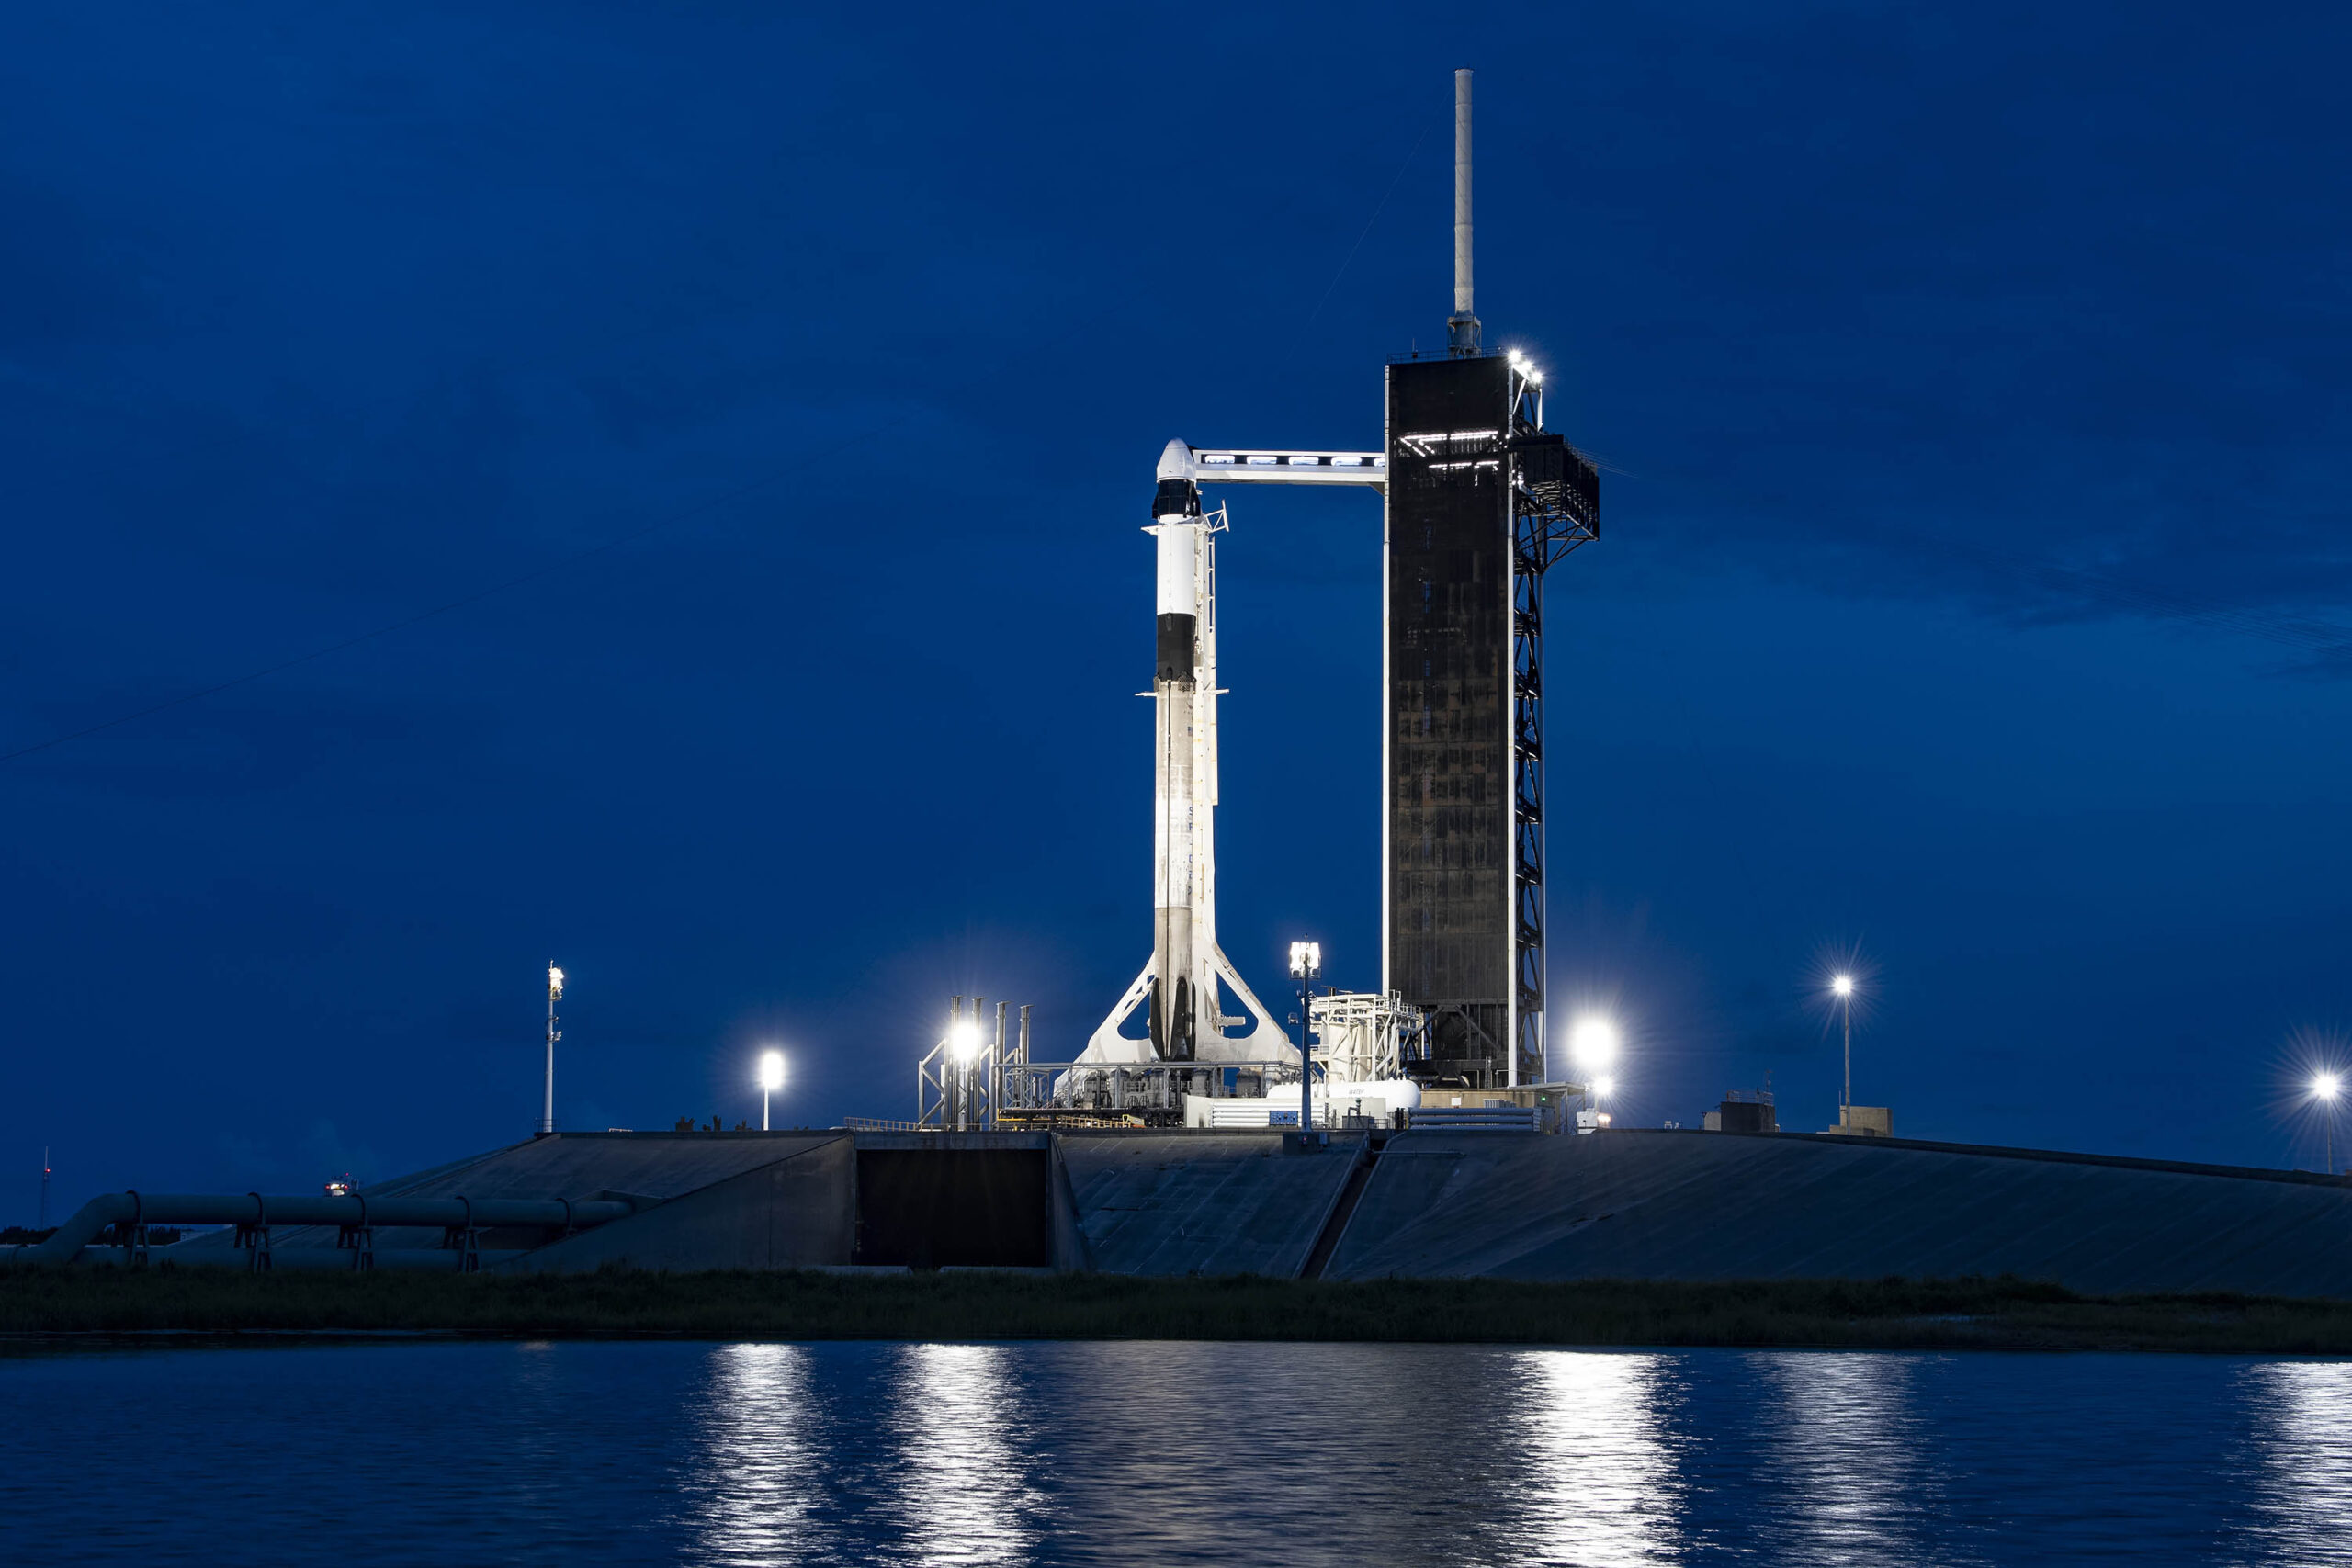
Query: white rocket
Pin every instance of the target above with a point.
(1178, 990)
(1184, 778)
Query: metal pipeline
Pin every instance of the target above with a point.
(135, 1208)
(408, 1259)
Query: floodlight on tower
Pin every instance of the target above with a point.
(963, 1048)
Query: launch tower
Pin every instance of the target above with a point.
(1481, 500)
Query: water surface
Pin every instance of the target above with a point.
(413, 1451)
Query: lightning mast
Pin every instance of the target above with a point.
(1462, 327)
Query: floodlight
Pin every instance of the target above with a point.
(555, 981)
(1305, 959)
(1516, 356)
(1604, 1088)
(1843, 985)
(1535, 377)
(1593, 1042)
(771, 1070)
(965, 1040)
(2326, 1086)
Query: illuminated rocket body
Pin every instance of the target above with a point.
(1177, 990)
(1183, 775)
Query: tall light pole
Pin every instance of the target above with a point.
(771, 1080)
(2325, 1087)
(555, 994)
(1843, 986)
(1306, 963)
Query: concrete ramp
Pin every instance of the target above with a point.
(1668, 1205)
(577, 1165)
(1201, 1202)
(580, 1164)
(790, 1212)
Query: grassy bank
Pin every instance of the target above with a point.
(1950, 1313)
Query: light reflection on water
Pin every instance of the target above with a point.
(1600, 1483)
(2302, 1498)
(1344, 1455)
(1849, 1459)
(961, 1474)
(754, 1490)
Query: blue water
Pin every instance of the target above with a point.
(424, 1451)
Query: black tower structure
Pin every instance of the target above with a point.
(1481, 503)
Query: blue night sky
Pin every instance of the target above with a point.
(743, 420)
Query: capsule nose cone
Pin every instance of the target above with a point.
(1176, 461)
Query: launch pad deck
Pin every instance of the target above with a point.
(1619, 1204)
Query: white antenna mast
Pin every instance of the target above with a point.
(1462, 327)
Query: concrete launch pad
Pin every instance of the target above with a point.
(1421, 1204)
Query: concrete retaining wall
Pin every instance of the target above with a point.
(794, 1212)
(1623, 1203)
(1728, 1206)
(1201, 1202)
